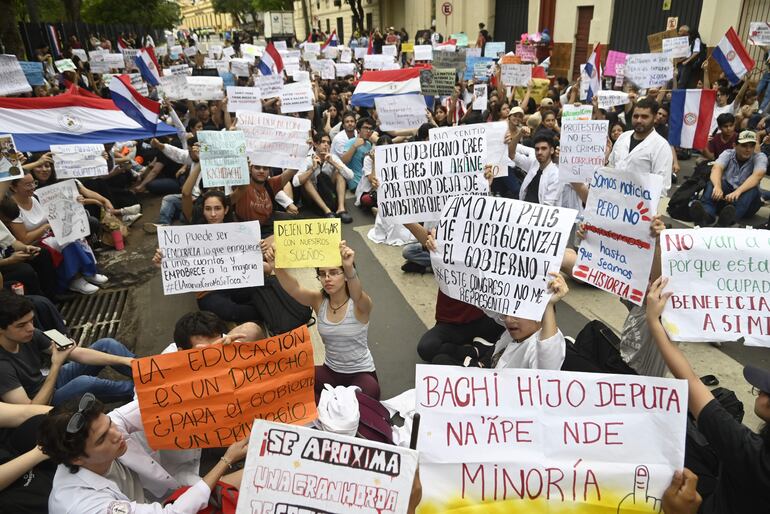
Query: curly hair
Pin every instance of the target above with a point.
(61, 446)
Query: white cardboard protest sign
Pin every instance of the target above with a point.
(676, 47)
(301, 76)
(547, 440)
(68, 218)
(479, 97)
(297, 97)
(378, 62)
(608, 99)
(313, 48)
(577, 112)
(10, 165)
(417, 179)
(346, 55)
(215, 51)
(223, 158)
(400, 112)
(331, 52)
(174, 86)
(350, 474)
(161, 51)
(97, 62)
(494, 136)
(79, 160)
(720, 280)
(239, 66)
(270, 85)
(63, 65)
(273, 140)
(80, 53)
(12, 78)
(229, 51)
(129, 54)
(217, 64)
(205, 88)
(389, 50)
(616, 254)
(280, 46)
(494, 49)
(210, 257)
(190, 51)
(114, 61)
(423, 53)
(496, 253)
(360, 52)
(343, 70)
(649, 70)
(515, 74)
(583, 144)
(244, 99)
(759, 33)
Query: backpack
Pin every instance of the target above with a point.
(679, 205)
(729, 402)
(374, 422)
(280, 312)
(223, 499)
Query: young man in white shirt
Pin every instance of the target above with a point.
(642, 149)
(347, 133)
(104, 471)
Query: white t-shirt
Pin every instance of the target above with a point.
(532, 353)
(729, 108)
(339, 141)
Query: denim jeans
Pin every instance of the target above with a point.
(75, 379)
(764, 82)
(164, 186)
(170, 209)
(414, 252)
(746, 205)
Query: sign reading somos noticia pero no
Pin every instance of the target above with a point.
(553, 441)
(617, 252)
(209, 397)
(210, 257)
(352, 474)
(418, 178)
(496, 253)
(308, 243)
(223, 158)
(720, 280)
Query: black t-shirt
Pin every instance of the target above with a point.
(633, 142)
(743, 483)
(23, 368)
(533, 189)
(662, 130)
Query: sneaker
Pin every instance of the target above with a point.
(699, 215)
(98, 279)
(413, 267)
(80, 285)
(129, 219)
(152, 228)
(726, 217)
(345, 217)
(131, 209)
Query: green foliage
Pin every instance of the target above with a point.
(154, 13)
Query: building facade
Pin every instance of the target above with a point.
(199, 14)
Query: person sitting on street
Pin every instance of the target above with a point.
(733, 193)
(101, 469)
(21, 360)
(743, 474)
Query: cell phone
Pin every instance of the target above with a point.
(61, 341)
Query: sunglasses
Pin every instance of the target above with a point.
(78, 419)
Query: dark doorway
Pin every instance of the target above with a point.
(584, 17)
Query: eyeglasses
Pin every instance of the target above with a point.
(366, 127)
(321, 275)
(755, 391)
(31, 185)
(78, 419)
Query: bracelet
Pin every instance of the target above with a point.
(355, 274)
(227, 461)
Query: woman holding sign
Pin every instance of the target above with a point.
(342, 309)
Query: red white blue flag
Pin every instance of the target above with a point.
(690, 118)
(733, 57)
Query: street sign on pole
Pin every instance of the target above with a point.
(446, 9)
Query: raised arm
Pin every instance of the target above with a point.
(187, 189)
(675, 359)
(361, 300)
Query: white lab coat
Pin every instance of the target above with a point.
(653, 155)
(86, 492)
(551, 191)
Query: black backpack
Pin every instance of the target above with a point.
(679, 205)
(278, 309)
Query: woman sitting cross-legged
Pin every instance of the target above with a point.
(342, 309)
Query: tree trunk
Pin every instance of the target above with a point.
(358, 15)
(72, 10)
(9, 30)
(306, 17)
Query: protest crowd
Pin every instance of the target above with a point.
(507, 183)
